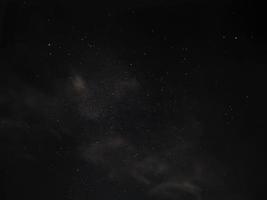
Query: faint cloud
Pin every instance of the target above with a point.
(176, 190)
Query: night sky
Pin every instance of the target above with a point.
(131, 100)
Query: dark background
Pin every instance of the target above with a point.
(132, 99)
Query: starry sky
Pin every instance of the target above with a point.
(138, 99)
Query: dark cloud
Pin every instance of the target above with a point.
(178, 172)
(176, 190)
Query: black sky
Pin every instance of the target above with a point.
(131, 99)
